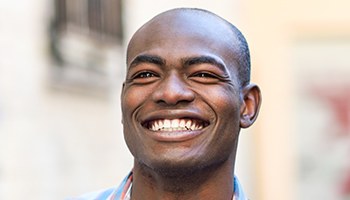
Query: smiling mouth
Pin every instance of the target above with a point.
(168, 125)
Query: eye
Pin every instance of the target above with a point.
(205, 77)
(144, 77)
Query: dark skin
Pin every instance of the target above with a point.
(182, 68)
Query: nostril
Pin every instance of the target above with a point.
(174, 99)
(172, 91)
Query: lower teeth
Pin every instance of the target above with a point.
(175, 129)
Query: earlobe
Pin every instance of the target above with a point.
(250, 105)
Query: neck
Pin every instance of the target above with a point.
(215, 182)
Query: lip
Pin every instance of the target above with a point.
(173, 136)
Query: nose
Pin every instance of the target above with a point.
(173, 90)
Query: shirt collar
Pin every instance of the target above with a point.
(123, 192)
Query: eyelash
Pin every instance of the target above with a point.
(205, 75)
(144, 74)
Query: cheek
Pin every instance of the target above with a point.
(227, 109)
(224, 101)
(132, 98)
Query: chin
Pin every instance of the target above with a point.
(172, 170)
(181, 167)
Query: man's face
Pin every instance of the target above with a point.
(181, 98)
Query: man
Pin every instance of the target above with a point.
(186, 95)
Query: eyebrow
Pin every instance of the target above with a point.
(147, 59)
(190, 61)
(204, 60)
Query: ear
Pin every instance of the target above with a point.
(250, 105)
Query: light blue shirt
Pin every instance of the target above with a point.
(116, 193)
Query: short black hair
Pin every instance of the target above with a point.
(243, 57)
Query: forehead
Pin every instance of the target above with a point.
(189, 33)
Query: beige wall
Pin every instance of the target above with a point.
(272, 28)
(53, 144)
(137, 11)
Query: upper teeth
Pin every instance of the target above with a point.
(175, 125)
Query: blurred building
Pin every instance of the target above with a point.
(62, 63)
(85, 43)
